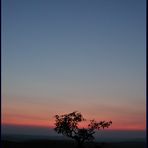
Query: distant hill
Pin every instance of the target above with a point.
(30, 132)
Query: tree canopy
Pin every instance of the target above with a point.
(67, 125)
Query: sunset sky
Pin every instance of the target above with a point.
(59, 56)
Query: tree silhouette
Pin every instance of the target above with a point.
(67, 125)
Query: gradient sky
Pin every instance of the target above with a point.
(59, 56)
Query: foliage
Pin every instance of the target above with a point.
(67, 125)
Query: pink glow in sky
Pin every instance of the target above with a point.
(40, 114)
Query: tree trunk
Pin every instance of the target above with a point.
(79, 144)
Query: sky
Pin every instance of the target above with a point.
(71, 55)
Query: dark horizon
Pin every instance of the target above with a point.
(45, 132)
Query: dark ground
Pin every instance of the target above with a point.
(69, 144)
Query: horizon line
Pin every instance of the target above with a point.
(52, 127)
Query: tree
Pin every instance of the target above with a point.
(67, 125)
